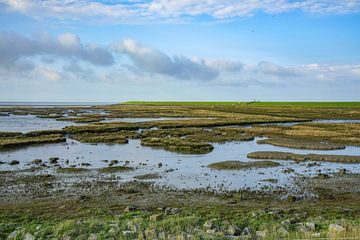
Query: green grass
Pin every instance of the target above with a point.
(260, 104)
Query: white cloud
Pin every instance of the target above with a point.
(14, 46)
(66, 58)
(134, 11)
(154, 61)
(47, 73)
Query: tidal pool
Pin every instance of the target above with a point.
(28, 123)
(178, 170)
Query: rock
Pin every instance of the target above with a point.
(190, 237)
(342, 171)
(169, 210)
(53, 160)
(234, 230)
(150, 233)
(65, 237)
(288, 170)
(113, 162)
(160, 165)
(112, 231)
(335, 228)
(291, 198)
(92, 237)
(130, 209)
(286, 222)
(261, 234)
(14, 162)
(282, 232)
(37, 161)
(13, 235)
(156, 217)
(28, 236)
(133, 226)
(180, 237)
(310, 226)
(208, 224)
(323, 176)
(129, 234)
(162, 235)
(247, 231)
(83, 198)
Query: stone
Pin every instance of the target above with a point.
(37, 161)
(335, 228)
(211, 231)
(282, 231)
(53, 160)
(150, 233)
(161, 235)
(310, 225)
(208, 224)
(156, 217)
(291, 198)
(128, 233)
(234, 230)
(13, 234)
(247, 231)
(28, 236)
(261, 234)
(160, 165)
(92, 237)
(130, 209)
(66, 237)
(14, 162)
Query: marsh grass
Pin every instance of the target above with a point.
(303, 157)
(101, 138)
(23, 140)
(178, 145)
(301, 144)
(237, 165)
(115, 169)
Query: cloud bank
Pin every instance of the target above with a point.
(134, 11)
(65, 57)
(14, 46)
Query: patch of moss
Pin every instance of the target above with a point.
(302, 157)
(301, 144)
(148, 176)
(178, 145)
(72, 170)
(101, 138)
(115, 169)
(236, 165)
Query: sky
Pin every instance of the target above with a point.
(179, 50)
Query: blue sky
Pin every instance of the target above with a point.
(240, 50)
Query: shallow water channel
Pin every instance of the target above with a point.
(178, 170)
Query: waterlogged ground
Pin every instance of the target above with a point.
(177, 170)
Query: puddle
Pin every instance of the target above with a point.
(186, 170)
(27, 123)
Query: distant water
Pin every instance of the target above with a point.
(52, 104)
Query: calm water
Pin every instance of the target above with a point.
(190, 170)
(27, 123)
(187, 170)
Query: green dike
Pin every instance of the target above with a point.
(260, 104)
